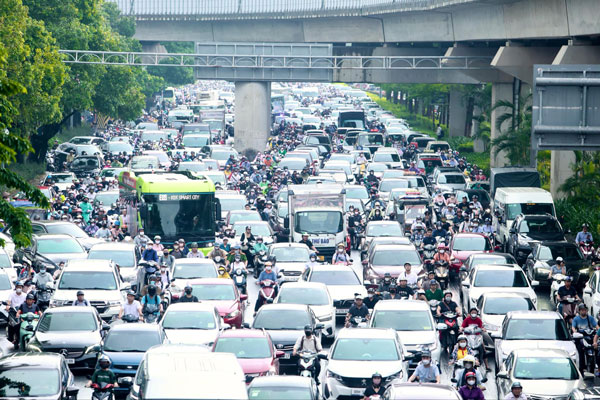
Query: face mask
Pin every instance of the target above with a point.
(158, 241)
(308, 333)
(188, 291)
(473, 315)
(221, 272)
(163, 270)
(448, 298)
(340, 250)
(42, 270)
(462, 345)
(426, 362)
(371, 295)
(471, 382)
(313, 259)
(442, 251)
(19, 290)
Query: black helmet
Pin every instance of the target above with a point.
(152, 290)
(80, 293)
(30, 296)
(516, 384)
(376, 375)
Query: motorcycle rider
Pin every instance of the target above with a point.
(167, 259)
(42, 278)
(141, 238)
(81, 301)
(566, 291)
(487, 228)
(237, 251)
(448, 305)
(442, 255)
(584, 235)
(470, 391)
(411, 277)
(426, 371)
(222, 271)
(461, 350)
(371, 299)
(580, 322)
(247, 239)
(217, 252)
(131, 306)
(516, 392)
(259, 246)
(403, 289)
(434, 292)
(474, 319)
(340, 256)
(558, 268)
(358, 309)
(428, 239)
(152, 297)
(148, 253)
(372, 180)
(165, 277)
(309, 342)
(305, 240)
(266, 274)
(439, 231)
(375, 388)
(312, 261)
(28, 306)
(104, 374)
(15, 299)
(188, 297)
(418, 224)
(195, 253)
(376, 214)
(384, 285)
(157, 245)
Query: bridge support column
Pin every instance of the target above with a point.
(252, 116)
(560, 170)
(458, 114)
(500, 91)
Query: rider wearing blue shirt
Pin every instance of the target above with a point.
(584, 235)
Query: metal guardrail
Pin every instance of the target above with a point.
(277, 9)
(275, 61)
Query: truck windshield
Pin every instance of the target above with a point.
(528, 208)
(176, 215)
(319, 222)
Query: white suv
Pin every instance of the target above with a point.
(100, 282)
(357, 354)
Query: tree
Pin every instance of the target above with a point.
(584, 184)
(175, 76)
(515, 140)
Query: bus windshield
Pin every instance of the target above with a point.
(175, 215)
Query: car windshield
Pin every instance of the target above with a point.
(257, 230)
(18, 382)
(293, 163)
(364, 140)
(221, 155)
(386, 157)
(502, 305)
(196, 141)
(471, 243)
(129, 341)
(559, 368)
(232, 203)
(395, 257)
(144, 162)
(192, 271)
(539, 226)
(120, 147)
(5, 261)
(384, 230)
(335, 278)
(282, 320)
(106, 199)
(451, 179)
(412, 212)
(303, 295)
(377, 167)
(365, 349)
(192, 166)
(572, 253)
(492, 259)
(5, 282)
(123, 258)
(500, 278)
(356, 192)
(512, 210)
(536, 329)
(280, 392)
(66, 229)
(67, 321)
(244, 216)
(58, 246)
(244, 347)
(189, 320)
(405, 320)
(90, 280)
(388, 185)
(213, 292)
(291, 254)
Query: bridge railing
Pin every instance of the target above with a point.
(236, 9)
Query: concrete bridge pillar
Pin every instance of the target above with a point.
(252, 116)
(500, 91)
(560, 171)
(458, 114)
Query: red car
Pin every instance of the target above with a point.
(254, 350)
(223, 294)
(465, 244)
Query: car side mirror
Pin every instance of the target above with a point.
(587, 291)
(502, 375)
(512, 231)
(496, 335)
(246, 325)
(279, 353)
(72, 392)
(466, 284)
(323, 355)
(225, 326)
(105, 327)
(535, 283)
(126, 287)
(463, 269)
(577, 335)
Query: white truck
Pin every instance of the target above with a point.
(318, 210)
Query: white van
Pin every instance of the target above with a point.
(512, 201)
(171, 371)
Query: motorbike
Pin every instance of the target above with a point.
(587, 249)
(29, 322)
(259, 263)
(150, 267)
(358, 322)
(129, 318)
(569, 309)
(558, 280)
(151, 313)
(586, 339)
(355, 234)
(307, 363)
(266, 294)
(239, 277)
(475, 340)
(448, 326)
(428, 252)
(433, 305)
(43, 294)
(103, 391)
(441, 273)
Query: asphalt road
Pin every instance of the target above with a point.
(543, 304)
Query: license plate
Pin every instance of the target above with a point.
(342, 311)
(358, 392)
(70, 361)
(321, 258)
(286, 356)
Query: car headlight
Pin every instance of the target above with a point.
(91, 349)
(34, 347)
(573, 354)
(113, 303)
(233, 314)
(325, 318)
(333, 375)
(490, 327)
(584, 271)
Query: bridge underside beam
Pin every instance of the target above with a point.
(518, 61)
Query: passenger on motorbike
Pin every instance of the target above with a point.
(487, 228)
(165, 277)
(566, 291)
(516, 392)
(375, 388)
(439, 231)
(309, 342)
(384, 285)
(470, 390)
(42, 278)
(15, 299)
(403, 290)
(259, 245)
(428, 239)
(152, 297)
(371, 178)
(340, 256)
(584, 235)
(131, 306)
(426, 371)
(237, 251)
(461, 350)
(217, 252)
(442, 254)
(358, 309)
(372, 298)
(474, 319)
(418, 224)
(558, 268)
(222, 271)
(580, 322)
(104, 374)
(29, 306)
(148, 253)
(312, 260)
(434, 292)
(188, 297)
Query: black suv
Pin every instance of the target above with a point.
(543, 256)
(529, 229)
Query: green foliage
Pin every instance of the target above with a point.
(482, 160)
(543, 167)
(465, 148)
(515, 140)
(417, 122)
(584, 185)
(573, 213)
(171, 75)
